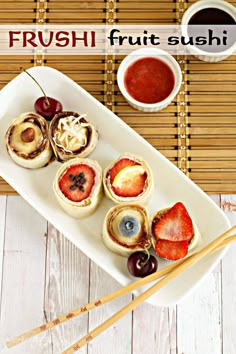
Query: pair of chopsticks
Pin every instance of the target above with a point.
(166, 274)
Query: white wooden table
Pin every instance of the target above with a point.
(43, 275)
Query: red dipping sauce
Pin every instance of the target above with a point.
(149, 80)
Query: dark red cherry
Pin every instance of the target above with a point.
(47, 107)
(141, 264)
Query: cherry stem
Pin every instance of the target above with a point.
(148, 256)
(47, 101)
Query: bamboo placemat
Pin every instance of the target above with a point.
(197, 132)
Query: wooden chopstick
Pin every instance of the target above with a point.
(98, 302)
(179, 269)
(107, 298)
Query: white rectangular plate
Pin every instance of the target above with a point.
(115, 138)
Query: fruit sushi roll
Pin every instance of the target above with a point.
(125, 229)
(72, 135)
(78, 186)
(128, 180)
(27, 141)
(174, 233)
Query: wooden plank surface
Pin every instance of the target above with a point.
(44, 275)
(66, 287)
(22, 300)
(117, 338)
(154, 327)
(199, 317)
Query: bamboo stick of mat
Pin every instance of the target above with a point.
(107, 298)
(179, 269)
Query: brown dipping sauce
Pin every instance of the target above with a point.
(211, 16)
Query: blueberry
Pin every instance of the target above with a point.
(80, 178)
(81, 174)
(71, 177)
(129, 226)
(72, 187)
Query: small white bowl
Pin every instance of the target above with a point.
(200, 5)
(147, 53)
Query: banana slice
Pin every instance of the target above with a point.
(27, 141)
(78, 186)
(125, 229)
(129, 179)
(72, 135)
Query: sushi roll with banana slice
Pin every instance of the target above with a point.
(78, 186)
(125, 229)
(27, 141)
(72, 135)
(128, 180)
(174, 232)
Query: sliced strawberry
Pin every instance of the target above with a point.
(174, 225)
(118, 166)
(77, 182)
(171, 250)
(131, 187)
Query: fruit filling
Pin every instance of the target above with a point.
(127, 178)
(129, 226)
(174, 225)
(173, 231)
(26, 137)
(71, 133)
(172, 250)
(77, 182)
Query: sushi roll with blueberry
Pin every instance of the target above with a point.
(125, 229)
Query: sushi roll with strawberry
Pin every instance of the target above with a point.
(128, 180)
(174, 233)
(78, 186)
(126, 229)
